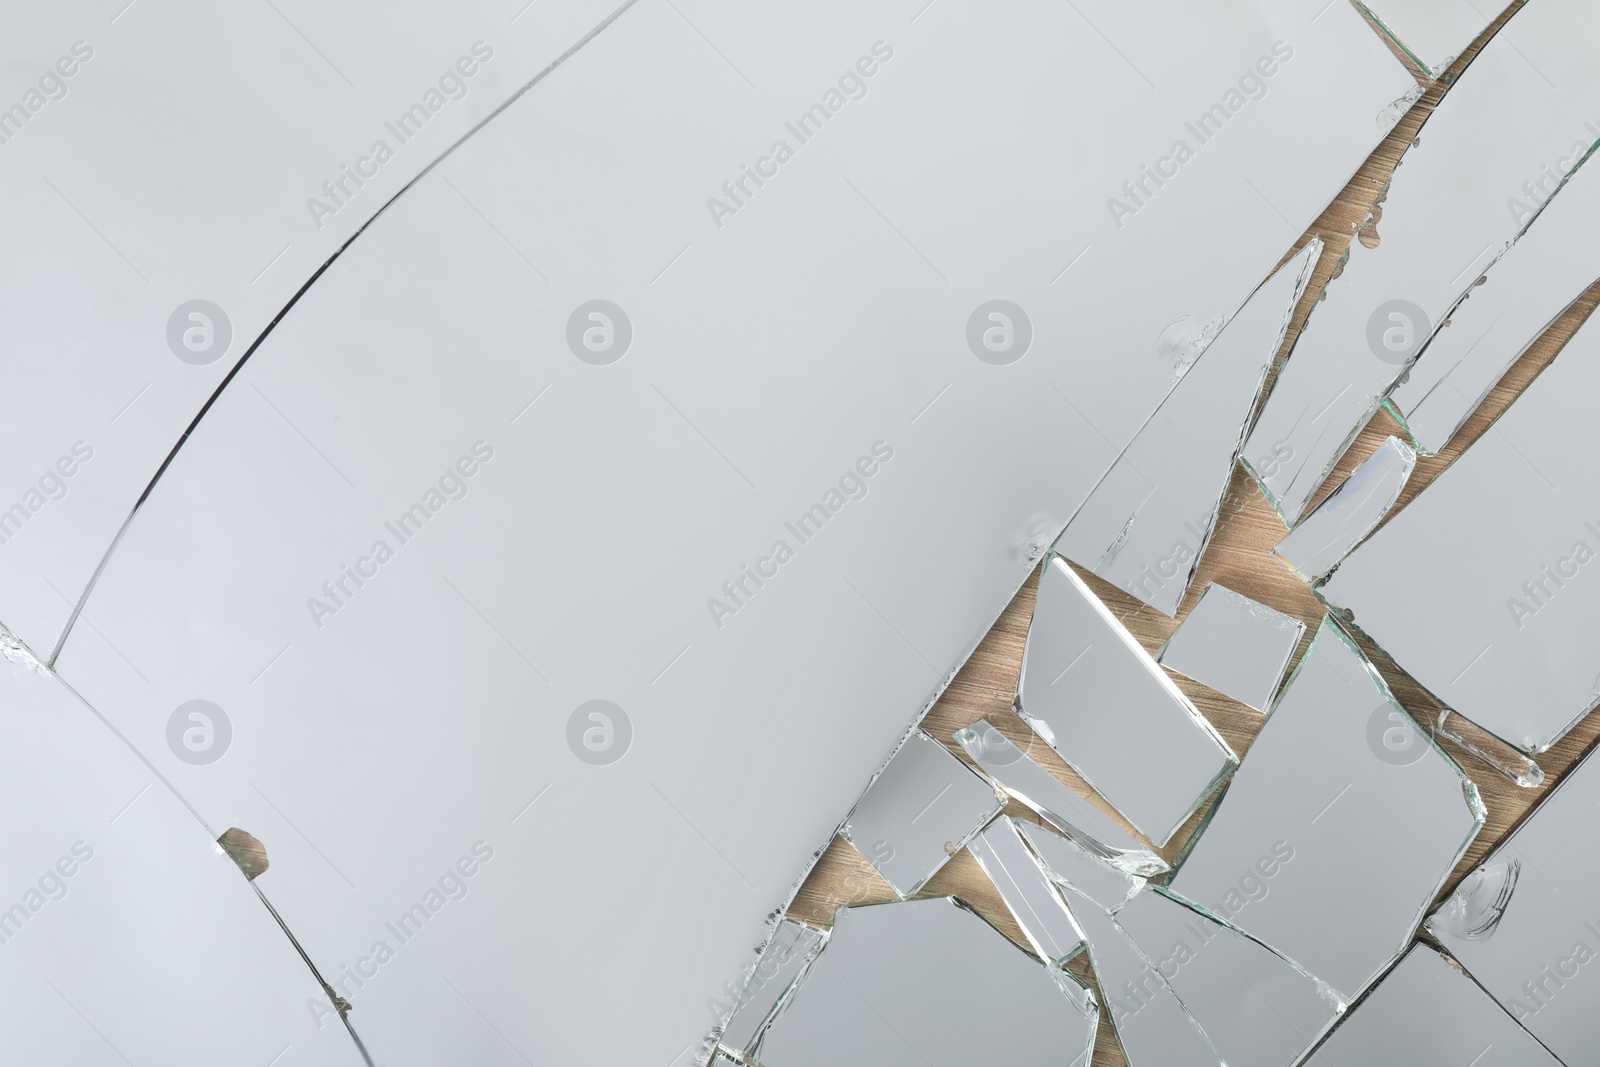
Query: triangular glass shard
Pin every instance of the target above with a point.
(778, 970)
(1432, 32)
(1480, 588)
(1448, 211)
(929, 983)
(1151, 1024)
(1034, 902)
(1146, 524)
(1257, 1008)
(1428, 1013)
(1525, 925)
(919, 810)
(1235, 645)
(1112, 713)
(1521, 295)
(1339, 827)
(1321, 540)
(1078, 869)
(1047, 796)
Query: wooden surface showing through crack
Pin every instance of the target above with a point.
(1239, 556)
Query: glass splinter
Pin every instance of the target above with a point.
(1525, 924)
(1481, 588)
(1522, 294)
(920, 809)
(1079, 870)
(1234, 645)
(1428, 1013)
(1112, 713)
(1323, 538)
(1048, 797)
(781, 965)
(1257, 1008)
(1431, 32)
(1339, 827)
(1032, 899)
(930, 983)
(1151, 1024)
(1147, 522)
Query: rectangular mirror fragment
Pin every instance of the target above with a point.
(1111, 712)
(1340, 826)
(1235, 645)
(1334, 527)
(919, 810)
(1015, 771)
(929, 983)
(1028, 893)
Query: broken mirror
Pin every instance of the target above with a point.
(1524, 923)
(1146, 524)
(1480, 587)
(920, 809)
(1440, 222)
(1235, 645)
(1029, 895)
(1321, 540)
(929, 982)
(1342, 807)
(1020, 775)
(1428, 1013)
(1112, 713)
(782, 964)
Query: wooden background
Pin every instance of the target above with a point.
(1239, 556)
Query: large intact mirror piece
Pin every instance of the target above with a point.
(1323, 538)
(1443, 220)
(1027, 891)
(1147, 522)
(1525, 923)
(782, 964)
(1151, 1024)
(1048, 797)
(1339, 826)
(1257, 1008)
(1427, 1013)
(1112, 713)
(1480, 588)
(929, 983)
(1235, 645)
(1525, 290)
(922, 807)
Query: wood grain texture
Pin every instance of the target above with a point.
(1240, 557)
